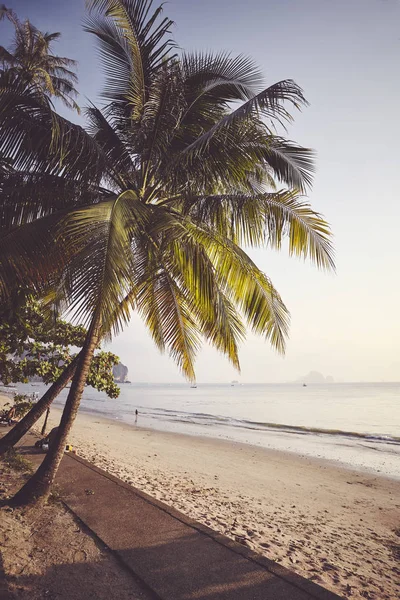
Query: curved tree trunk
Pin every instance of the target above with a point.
(23, 426)
(38, 487)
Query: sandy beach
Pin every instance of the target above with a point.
(333, 525)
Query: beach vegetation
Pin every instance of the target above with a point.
(34, 342)
(17, 461)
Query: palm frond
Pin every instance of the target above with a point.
(106, 136)
(233, 159)
(9, 14)
(6, 57)
(219, 78)
(115, 55)
(265, 219)
(26, 196)
(250, 289)
(97, 238)
(309, 234)
(36, 138)
(164, 309)
(133, 45)
(290, 163)
(160, 119)
(269, 103)
(215, 315)
(30, 258)
(51, 37)
(241, 156)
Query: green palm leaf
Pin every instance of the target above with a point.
(216, 317)
(164, 309)
(37, 139)
(260, 219)
(133, 46)
(291, 164)
(26, 196)
(219, 78)
(250, 289)
(269, 103)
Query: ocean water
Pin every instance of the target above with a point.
(355, 424)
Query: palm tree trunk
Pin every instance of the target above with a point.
(43, 431)
(38, 487)
(21, 428)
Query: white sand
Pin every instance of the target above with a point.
(338, 527)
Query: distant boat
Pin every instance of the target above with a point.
(304, 385)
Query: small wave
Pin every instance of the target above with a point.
(304, 430)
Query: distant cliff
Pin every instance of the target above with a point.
(120, 373)
(315, 377)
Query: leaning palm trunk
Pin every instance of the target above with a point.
(21, 428)
(44, 427)
(38, 487)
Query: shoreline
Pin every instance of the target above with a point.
(289, 455)
(362, 446)
(332, 524)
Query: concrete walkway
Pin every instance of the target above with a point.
(173, 556)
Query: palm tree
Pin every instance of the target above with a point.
(31, 61)
(187, 182)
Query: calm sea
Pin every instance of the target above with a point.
(357, 424)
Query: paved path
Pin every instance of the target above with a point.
(175, 557)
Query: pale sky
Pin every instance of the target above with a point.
(345, 55)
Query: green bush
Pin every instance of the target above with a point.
(23, 404)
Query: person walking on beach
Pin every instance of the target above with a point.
(136, 415)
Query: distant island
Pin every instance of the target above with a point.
(120, 373)
(315, 377)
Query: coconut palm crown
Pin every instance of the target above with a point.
(186, 182)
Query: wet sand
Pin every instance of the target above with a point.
(336, 526)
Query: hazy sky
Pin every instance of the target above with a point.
(345, 55)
